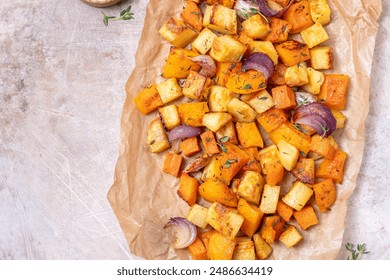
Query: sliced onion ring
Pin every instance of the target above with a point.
(260, 62)
(183, 131)
(185, 232)
(207, 63)
(317, 116)
(270, 12)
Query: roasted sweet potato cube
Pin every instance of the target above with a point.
(256, 27)
(291, 135)
(192, 15)
(271, 228)
(306, 217)
(325, 194)
(277, 77)
(292, 52)
(254, 160)
(279, 30)
(220, 247)
(227, 49)
(333, 92)
(304, 170)
(197, 86)
(284, 97)
(178, 64)
(299, 16)
(251, 186)
(197, 249)
(298, 195)
(322, 146)
(215, 190)
(148, 100)
(272, 169)
(269, 199)
(232, 161)
(263, 249)
(224, 70)
(190, 147)
(157, 138)
(272, 119)
(198, 215)
(284, 210)
(209, 143)
(334, 168)
(172, 164)
(246, 82)
(249, 135)
(245, 249)
(252, 217)
(290, 237)
(221, 19)
(176, 32)
(192, 113)
(314, 35)
(188, 189)
(228, 131)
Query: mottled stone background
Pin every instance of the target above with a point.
(62, 77)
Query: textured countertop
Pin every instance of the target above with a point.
(62, 77)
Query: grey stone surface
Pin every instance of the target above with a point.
(62, 77)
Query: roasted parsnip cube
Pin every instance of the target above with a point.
(245, 250)
(314, 35)
(220, 247)
(227, 49)
(252, 216)
(263, 249)
(198, 215)
(290, 237)
(225, 220)
(316, 79)
(214, 121)
(249, 135)
(265, 47)
(256, 26)
(157, 138)
(260, 101)
(272, 169)
(203, 42)
(271, 228)
(269, 199)
(292, 52)
(320, 11)
(325, 194)
(192, 113)
(192, 15)
(306, 217)
(321, 58)
(298, 195)
(299, 16)
(188, 189)
(221, 19)
(176, 32)
(216, 191)
(169, 116)
(178, 64)
(246, 82)
(148, 100)
(288, 154)
(213, 169)
(197, 86)
(279, 30)
(296, 75)
(219, 98)
(169, 90)
(228, 131)
(340, 118)
(251, 186)
(241, 111)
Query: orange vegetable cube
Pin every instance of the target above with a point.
(224, 70)
(249, 135)
(192, 15)
(304, 170)
(299, 16)
(220, 247)
(252, 217)
(190, 147)
(291, 135)
(278, 75)
(148, 100)
(197, 250)
(284, 210)
(178, 64)
(270, 164)
(209, 143)
(246, 82)
(272, 119)
(192, 113)
(322, 146)
(284, 97)
(232, 162)
(325, 194)
(188, 189)
(334, 168)
(205, 237)
(333, 91)
(279, 30)
(172, 164)
(306, 217)
(272, 228)
(292, 52)
(215, 190)
(254, 160)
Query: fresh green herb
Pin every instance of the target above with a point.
(126, 14)
(356, 254)
(284, 28)
(324, 130)
(262, 97)
(229, 162)
(224, 139)
(303, 101)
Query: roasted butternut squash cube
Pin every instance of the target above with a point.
(306, 217)
(228, 131)
(304, 170)
(169, 116)
(245, 250)
(209, 143)
(172, 164)
(225, 220)
(296, 75)
(176, 32)
(256, 26)
(254, 160)
(241, 111)
(271, 228)
(321, 58)
(279, 30)
(292, 52)
(272, 119)
(252, 217)
(320, 11)
(291, 135)
(178, 64)
(244, 38)
(334, 168)
(298, 15)
(148, 100)
(169, 90)
(316, 79)
(290, 237)
(198, 215)
(322, 146)
(215, 190)
(203, 42)
(325, 194)
(205, 237)
(188, 189)
(192, 113)
(219, 98)
(197, 249)
(288, 154)
(314, 35)
(246, 82)
(265, 47)
(249, 135)
(232, 161)
(284, 210)
(224, 70)
(227, 49)
(269, 199)
(192, 15)
(298, 195)
(260, 101)
(251, 186)
(197, 86)
(333, 92)
(190, 147)
(340, 118)
(221, 19)
(263, 249)
(214, 121)
(157, 138)
(284, 97)
(221, 247)
(270, 164)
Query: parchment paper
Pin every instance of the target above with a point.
(144, 198)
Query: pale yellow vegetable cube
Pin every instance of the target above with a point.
(157, 138)
(340, 118)
(229, 130)
(170, 116)
(241, 111)
(214, 121)
(265, 47)
(227, 49)
(320, 11)
(298, 195)
(288, 154)
(197, 86)
(219, 98)
(321, 58)
(212, 169)
(177, 32)
(221, 19)
(260, 101)
(198, 215)
(251, 186)
(316, 79)
(256, 27)
(296, 75)
(244, 250)
(169, 90)
(263, 249)
(314, 35)
(203, 42)
(290, 237)
(269, 199)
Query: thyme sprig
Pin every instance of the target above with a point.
(356, 254)
(126, 14)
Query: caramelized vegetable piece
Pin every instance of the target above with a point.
(251, 186)
(272, 169)
(178, 65)
(325, 194)
(192, 15)
(249, 135)
(220, 247)
(291, 135)
(176, 32)
(272, 119)
(290, 237)
(172, 164)
(292, 52)
(157, 138)
(192, 113)
(333, 92)
(334, 168)
(215, 190)
(284, 97)
(284, 210)
(279, 30)
(245, 249)
(188, 189)
(263, 249)
(198, 215)
(252, 217)
(227, 49)
(197, 250)
(209, 143)
(298, 196)
(304, 170)
(148, 100)
(322, 146)
(221, 19)
(190, 147)
(246, 82)
(306, 217)
(299, 16)
(272, 228)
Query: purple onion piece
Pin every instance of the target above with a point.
(246, 8)
(267, 11)
(183, 131)
(185, 232)
(260, 62)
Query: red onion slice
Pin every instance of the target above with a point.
(183, 131)
(266, 10)
(185, 232)
(207, 63)
(260, 62)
